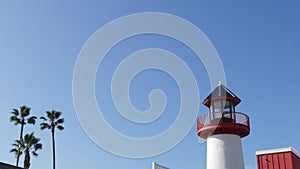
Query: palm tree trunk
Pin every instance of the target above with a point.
(27, 160)
(18, 157)
(21, 138)
(53, 148)
(22, 128)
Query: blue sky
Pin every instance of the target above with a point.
(257, 42)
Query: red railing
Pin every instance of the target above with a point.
(222, 118)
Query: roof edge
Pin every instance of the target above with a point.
(278, 150)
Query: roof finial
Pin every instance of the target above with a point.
(220, 83)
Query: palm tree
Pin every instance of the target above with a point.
(20, 117)
(17, 150)
(52, 121)
(31, 145)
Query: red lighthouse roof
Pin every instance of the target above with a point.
(221, 93)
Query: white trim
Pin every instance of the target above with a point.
(278, 150)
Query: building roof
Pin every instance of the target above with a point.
(221, 92)
(8, 166)
(278, 150)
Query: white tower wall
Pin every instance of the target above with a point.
(224, 151)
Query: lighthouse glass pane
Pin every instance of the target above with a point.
(218, 106)
(227, 109)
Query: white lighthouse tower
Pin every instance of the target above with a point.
(223, 128)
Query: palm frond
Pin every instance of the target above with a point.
(35, 154)
(43, 118)
(14, 150)
(15, 112)
(25, 111)
(60, 127)
(38, 146)
(50, 116)
(17, 148)
(60, 121)
(44, 126)
(31, 120)
(18, 143)
(15, 119)
(15, 145)
(57, 114)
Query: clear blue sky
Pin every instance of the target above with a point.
(258, 43)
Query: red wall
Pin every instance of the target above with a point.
(296, 161)
(282, 160)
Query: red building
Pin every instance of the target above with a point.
(283, 158)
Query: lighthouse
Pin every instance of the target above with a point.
(223, 129)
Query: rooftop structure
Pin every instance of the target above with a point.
(281, 158)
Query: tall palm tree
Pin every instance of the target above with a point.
(52, 121)
(20, 117)
(30, 145)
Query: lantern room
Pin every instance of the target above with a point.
(222, 117)
(221, 103)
